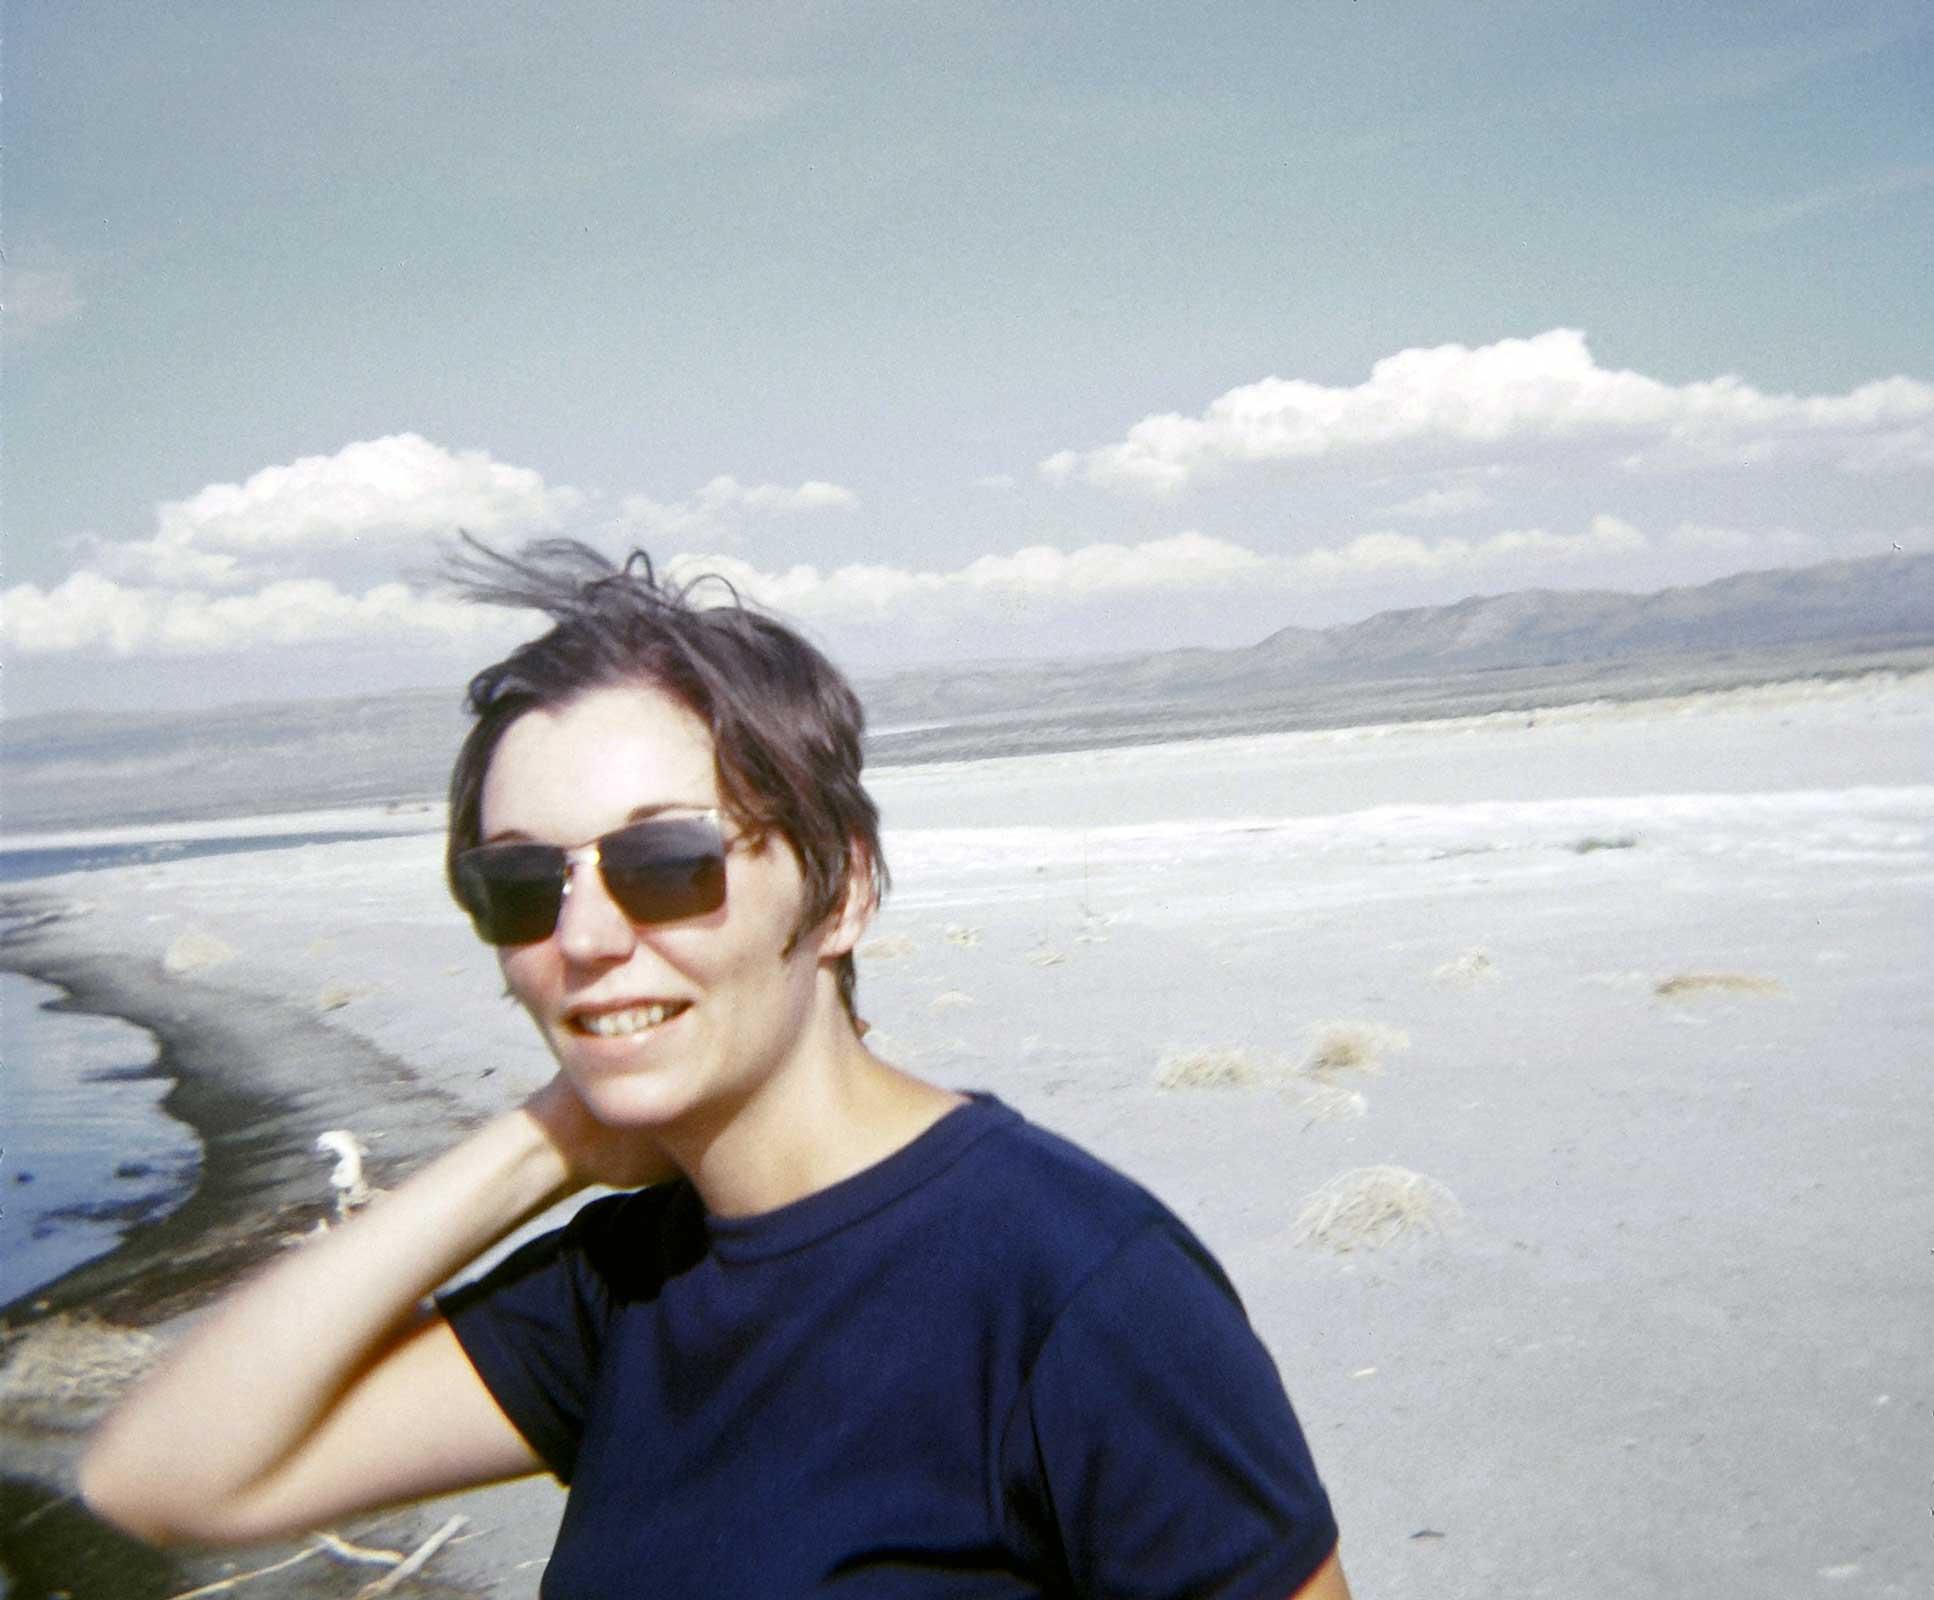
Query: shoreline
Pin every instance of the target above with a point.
(256, 1079)
(233, 1060)
(412, 787)
(1332, 706)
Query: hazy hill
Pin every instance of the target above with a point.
(1487, 653)
(1880, 602)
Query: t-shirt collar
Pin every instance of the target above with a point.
(839, 1205)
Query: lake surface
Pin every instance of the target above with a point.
(23, 863)
(86, 1152)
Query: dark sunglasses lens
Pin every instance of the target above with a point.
(513, 891)
(666, 869)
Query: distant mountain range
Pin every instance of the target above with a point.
(1876, 603)
(1503, 652)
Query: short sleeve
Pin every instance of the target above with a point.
(533, 1327)
(1167, 1452)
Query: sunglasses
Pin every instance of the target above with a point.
(656, 871)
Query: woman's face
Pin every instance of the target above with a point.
(734, 1009)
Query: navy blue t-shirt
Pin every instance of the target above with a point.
(989, 1366)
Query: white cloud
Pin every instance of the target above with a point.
(169, 560)
(720, 508)
(1187, 560)
(1517, 393)
(217, 574)
(266, 561)
(396, 490)
(1187, 563)
(90, 612)
(399, 486)
(84, 611)
(1373, 554)
(1443, 502)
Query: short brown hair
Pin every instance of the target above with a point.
(786, 726)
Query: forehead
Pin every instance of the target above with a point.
(573, 771)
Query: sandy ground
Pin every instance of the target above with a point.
(1624, 1010)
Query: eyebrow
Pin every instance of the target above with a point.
(644, 813)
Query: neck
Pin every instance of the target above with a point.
(831, 1110)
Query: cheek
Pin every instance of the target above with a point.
(522, 973)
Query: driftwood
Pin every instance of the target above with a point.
(413, 1562)
(241, 1578)
(368, 1555)
(402, 1567)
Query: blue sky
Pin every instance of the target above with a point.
(956, 332)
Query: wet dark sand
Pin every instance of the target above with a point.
(257, 1080)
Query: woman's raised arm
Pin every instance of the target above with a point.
(324, 1386)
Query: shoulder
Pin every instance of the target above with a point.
(618, 1246)
(1151, 1441)
(1041, 1167)
(633, 1242)
(1057, 1214)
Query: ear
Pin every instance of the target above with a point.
(844, 928)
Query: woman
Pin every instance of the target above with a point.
(853, 1333)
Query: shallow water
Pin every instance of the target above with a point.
(22, 863)
(86, 1152)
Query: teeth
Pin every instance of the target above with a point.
(620, 1024)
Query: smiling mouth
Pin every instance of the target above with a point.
(629, 1020)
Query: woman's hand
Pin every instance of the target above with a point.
(321, 1386)
(594, 1151)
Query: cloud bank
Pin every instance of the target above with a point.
(1535, 464)
(393, 492)
(722, 508)
(89, 611)
(262, 562)
(1457, 403)
(268, 561)
(1186, 564)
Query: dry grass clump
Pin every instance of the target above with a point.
(1214, 1068)
(1351, 1047)
(1691, 983)
(1472, 967)
(959, 933)
(952, 1000)
(194, 950)
(60, 1372)
(1592, 842)
(888, 949)
(1367, 1208)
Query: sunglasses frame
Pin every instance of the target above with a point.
(492, 920)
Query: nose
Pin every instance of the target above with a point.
(591, 926)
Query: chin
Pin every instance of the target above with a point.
(641, 1101)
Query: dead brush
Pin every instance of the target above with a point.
(1212, 1068)
(58, 1373)
(1339, 1047)
(1368, 1208)
(1684, 984)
